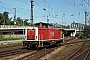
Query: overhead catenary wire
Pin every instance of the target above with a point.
(11, 8)
(49, 7)
(13, 5)
(5, 8)
(82, 4)
(29, 3)
(22, 1)
(73, 5)
(52, 12)
(44, 9)
(87, 3)
(40, 6)
(45, 2)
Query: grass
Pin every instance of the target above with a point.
(10, 38)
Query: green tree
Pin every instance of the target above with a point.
(68, 26)
(87, 31)
(26, 22)
(1, 19)
(6, 18)
(22, 22)
(10, 21)
(19, 21)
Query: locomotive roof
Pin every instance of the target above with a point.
(44, 24)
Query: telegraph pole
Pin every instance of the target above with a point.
(14, 16)
(32, 12)
(85, 28)
(89, 22)
(47, 20)
(85, 18)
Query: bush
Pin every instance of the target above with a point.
(87, 31)
(79, 35)
(1, 37)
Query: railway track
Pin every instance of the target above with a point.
(68, 43)
(38, 55)
(24, 54)
(82, 53)
(13, 52)
(9, 47)
(43, 52)
(31, 54)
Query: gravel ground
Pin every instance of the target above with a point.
(62, 52)
(65, 52)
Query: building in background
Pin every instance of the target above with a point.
(77, 26)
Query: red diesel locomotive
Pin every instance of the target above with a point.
(43, 34)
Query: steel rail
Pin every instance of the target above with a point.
(75, 52)
(79, 54)
(13, 52)
(87, 53)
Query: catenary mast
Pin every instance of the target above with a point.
(31, 12)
